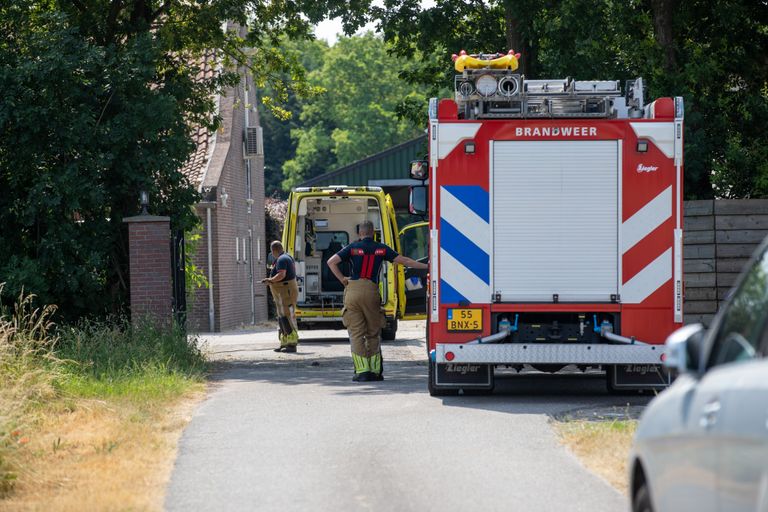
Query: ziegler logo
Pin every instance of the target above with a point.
(463, 369)
(642, 369)
(646, 168)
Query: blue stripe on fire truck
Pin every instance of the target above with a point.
(473, 257)
(465, 240)
(473, 196)
(448, 295)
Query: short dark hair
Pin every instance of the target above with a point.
(365, 228)
(276, 245)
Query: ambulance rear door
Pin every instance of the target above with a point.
(414, 244)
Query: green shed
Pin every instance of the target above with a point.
(387, 169)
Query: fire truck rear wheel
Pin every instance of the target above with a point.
(609, 378)
(389, 332)
(610, 371)
(548, 368)
(434, 390)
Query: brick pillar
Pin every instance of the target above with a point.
(150, 268)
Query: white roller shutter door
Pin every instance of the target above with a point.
(555, 220)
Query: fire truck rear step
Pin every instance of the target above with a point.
(550, 353)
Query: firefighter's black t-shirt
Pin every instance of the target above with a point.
(366, 256)
(284, 262)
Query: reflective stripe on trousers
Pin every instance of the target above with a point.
(364, 318)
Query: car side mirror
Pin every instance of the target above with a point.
(419, 170)
(417, 202)
(683, 349)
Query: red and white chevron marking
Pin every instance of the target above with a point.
(648, 230)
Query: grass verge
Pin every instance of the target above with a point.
(602, 446)
(90, 414)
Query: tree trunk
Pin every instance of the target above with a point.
(516, 39)
(141, 15)
(663, 13)
(511, 27)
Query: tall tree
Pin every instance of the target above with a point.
(357, 115)
(98, 100)
(710, 52)
(277, 125)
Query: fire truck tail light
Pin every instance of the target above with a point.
(449, 356)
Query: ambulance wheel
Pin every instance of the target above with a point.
(389, 332)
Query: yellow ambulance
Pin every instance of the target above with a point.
(322, 220)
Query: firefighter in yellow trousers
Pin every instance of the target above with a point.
(285, 292)
(362, 314)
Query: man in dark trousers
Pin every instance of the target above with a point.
(285, 292)
(362, 314)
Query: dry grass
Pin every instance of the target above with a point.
(602, 446)
(90, 417)
(106, 456)
(28, 376)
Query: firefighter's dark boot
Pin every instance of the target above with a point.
(363, 377)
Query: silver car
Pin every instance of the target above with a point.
(702, 445)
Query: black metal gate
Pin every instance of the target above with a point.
(179, 278)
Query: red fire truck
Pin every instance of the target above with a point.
(555, 229)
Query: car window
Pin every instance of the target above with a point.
(743, 325)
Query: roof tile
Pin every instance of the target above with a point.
(194, 168)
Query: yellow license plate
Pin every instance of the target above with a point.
(465, 320)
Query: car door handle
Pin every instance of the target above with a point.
(709, 414)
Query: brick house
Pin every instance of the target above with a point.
(232, 249)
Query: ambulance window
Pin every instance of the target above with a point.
(413, 242)
(326, 238)
(375, 216)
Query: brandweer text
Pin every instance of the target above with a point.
(549, 131)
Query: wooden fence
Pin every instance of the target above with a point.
(720, 236)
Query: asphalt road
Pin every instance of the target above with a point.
(285, 432)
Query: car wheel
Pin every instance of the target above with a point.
(641, 502)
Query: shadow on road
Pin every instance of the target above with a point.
(321, 342)
(307, 349)
(335, 372)
(553, 394)
(327, 342)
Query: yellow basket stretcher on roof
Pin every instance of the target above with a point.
(463, 61)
